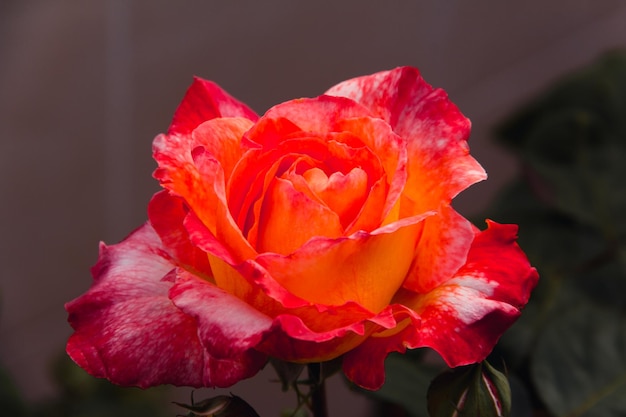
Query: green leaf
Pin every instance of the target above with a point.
(580, 161)
(573, 143)
(579, 365)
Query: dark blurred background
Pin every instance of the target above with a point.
(85, 87)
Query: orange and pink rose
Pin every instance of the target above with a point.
(322, 229)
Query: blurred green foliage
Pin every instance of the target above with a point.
(566, 356)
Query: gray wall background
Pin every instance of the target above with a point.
(85, 86)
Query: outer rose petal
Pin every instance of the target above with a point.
(373, 352)
(463, 318)
(442, 250)
(435, 130)
(128, 331)
(227, 326)
(167, 214)
(204, 101)
(178, 169)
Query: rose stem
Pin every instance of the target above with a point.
(318, 394)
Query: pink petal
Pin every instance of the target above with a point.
(444, 243)
(315, 115)
(204, 101)
(179, 172)
(321, 333)
(227, 326)
(496, 253)
(167, 214)
(463, 318)
(292, 340)
(128, 331)
(439, 164)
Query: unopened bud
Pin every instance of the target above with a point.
(477, 390)
(220, 406)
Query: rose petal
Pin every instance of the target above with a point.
(441, 251)
(344, 328)
(335, 271)
(292, 340)
(463, 318)
(128, 331)
(317, 115)
(388, 147)
(221, 138)
(439, 164)
(373, 352)
(166, 214)
(179, 172)
(495, 253)
(204, 101)
(227, 326)
(270, 132)
(343, 194)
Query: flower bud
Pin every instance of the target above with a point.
(220, 406)
(475, 390)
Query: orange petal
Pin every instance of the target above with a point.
(179, 173)
(439, 164)
(222, 139)
(365, 268)
(391, 150)
(343, 194)
(289, 218)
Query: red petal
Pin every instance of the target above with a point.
(439, 163)
(321, 333)
(318, 115)
(464, 318)
(444, 243)
(373, 353)
(204, 101)
(227, 326)
(496, 253)
(128, 331)
(180, 172)
(167, 214)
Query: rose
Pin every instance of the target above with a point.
(322, 229)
